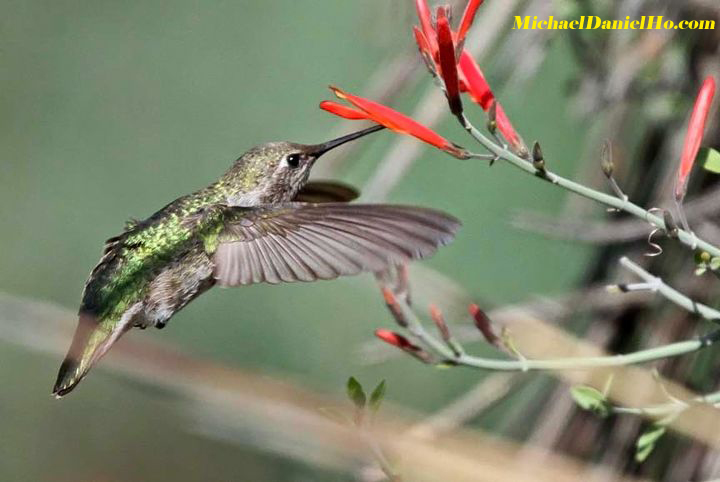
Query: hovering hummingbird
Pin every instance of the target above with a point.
(252, 225)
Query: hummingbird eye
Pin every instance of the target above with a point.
(293, 160)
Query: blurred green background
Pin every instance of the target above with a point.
(109, 110)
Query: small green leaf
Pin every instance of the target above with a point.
(715, 263)
(377, 395)
(589, 398)
(646, 442)
(355, 393)
(710, 159)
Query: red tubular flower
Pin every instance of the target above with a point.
(343, 110)
(694, 135)
(480, 92)
(423, 12)
(474, 80)
(448, 63)
(400, 123)
(426, 52)
(467, 20)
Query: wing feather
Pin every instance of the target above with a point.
(305, 242)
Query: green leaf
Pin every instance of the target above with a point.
(715, 263)
(646, 442)
(589, 398)
(377, 395)
(710, 159)
(355, 393)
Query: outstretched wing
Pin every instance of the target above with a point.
(327, 192)
(306, 242)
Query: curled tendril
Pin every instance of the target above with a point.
(656, 248)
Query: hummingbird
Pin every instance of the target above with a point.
(260, 222)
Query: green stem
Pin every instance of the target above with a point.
(416, 328)
(687, 238)
(672, 294)
(675, 407)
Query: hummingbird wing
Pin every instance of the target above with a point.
(327, 192)
(306, 242)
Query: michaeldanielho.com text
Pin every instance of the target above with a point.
(594, 22)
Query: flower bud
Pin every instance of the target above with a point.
(439, 320)
(482, 322)
(537, 157)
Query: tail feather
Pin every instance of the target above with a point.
(92, 339)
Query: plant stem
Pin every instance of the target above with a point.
(416, 328)
(684, 236)
(664, 409)
(672, 294)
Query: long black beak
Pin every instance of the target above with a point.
(320, 149)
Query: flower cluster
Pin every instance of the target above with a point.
(445, 56)
(443, 51)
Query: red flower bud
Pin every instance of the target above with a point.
(394, 307)
(482, 322)
(395, 339)
(392, 338)
(694, 135)
(439, 320)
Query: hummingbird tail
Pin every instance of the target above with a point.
(92, 339)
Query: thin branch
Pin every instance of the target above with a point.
(674, 407)
(687, 238)
(671, 294)
(448, 356)
(624, 230)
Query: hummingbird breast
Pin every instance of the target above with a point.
(177, 285)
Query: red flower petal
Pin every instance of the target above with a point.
(467, 20)
(693, 138)
(423, 12)
(401, 123)
(448, 63)
(342, 110)
(479, 90)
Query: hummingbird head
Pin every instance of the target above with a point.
(276, 171)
